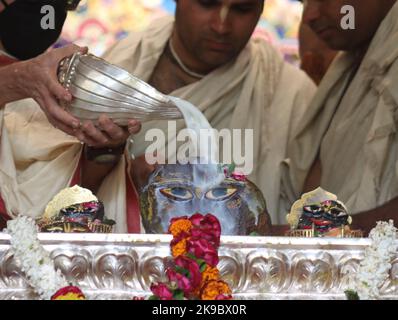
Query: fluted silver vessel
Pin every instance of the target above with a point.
(99, 87)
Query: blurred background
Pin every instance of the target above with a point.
(99, 23)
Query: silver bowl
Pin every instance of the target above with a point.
(99, 87)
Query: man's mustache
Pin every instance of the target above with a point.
(319, 26)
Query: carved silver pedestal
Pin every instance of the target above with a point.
(120, 266)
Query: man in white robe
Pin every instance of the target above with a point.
(205, 55)
(36, 159)
(347, 141)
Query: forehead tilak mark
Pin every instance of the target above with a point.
(224, 11)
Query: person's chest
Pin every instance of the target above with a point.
(343, 152)
(167, 77)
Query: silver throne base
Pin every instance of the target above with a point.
(121, 266)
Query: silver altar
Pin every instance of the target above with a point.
(120, 266)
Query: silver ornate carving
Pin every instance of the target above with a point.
(120, 266)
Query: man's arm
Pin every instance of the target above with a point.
(8, 83)
(366, 220)
(93, 172)
(37, 78)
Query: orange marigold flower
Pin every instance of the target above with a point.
(179, 248)
(180, 225)
(210, 273)
(214, 288)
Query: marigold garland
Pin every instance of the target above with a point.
(179, 248)
(215, 290)
(194, 274)
(179, 225)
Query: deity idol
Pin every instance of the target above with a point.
(75, 209)
(174, 190)
(320, 214)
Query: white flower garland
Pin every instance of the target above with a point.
(35, 260)
(374, 268)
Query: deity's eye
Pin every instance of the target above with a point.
(337, 212)
(177, 193)
(313, 209)
(221, 193)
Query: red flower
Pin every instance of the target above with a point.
(182, 281)
(172, 220)
(68, 293)
(211, 222)
(185, 273)
(238, 176)
(203, 249)
(195, 276)
(162, 291)
(223, 297)
(179, 237)
(196, 219)
(206, 226)
(206, 234)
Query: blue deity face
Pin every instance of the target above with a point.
(172, 192)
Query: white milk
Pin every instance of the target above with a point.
(195, 121)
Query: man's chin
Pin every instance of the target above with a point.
(217, 59)
(336, 45)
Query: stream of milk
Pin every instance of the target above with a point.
(209, 171)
